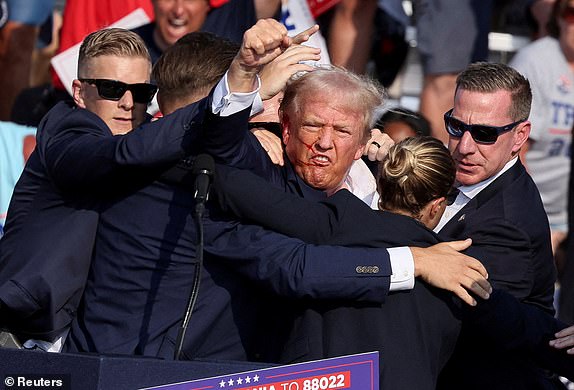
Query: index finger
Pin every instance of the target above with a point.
(305, 35)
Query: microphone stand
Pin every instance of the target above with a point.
(199, 209)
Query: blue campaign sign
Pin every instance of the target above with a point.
(359, 372)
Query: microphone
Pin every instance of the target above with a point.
(203, 170)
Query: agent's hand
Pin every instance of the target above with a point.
(271, 143)
(443, 266)
(564, 339)
(378, 145)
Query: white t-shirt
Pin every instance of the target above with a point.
(552, 117)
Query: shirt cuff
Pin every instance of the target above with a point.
(403, 266)
(227, 103)
(257, 106)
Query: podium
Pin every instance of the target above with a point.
(91, 372)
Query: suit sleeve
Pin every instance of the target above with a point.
(234, 145)
(506, 252)
(80, 152)
(513, 325)
(253, 198)
(291, 268)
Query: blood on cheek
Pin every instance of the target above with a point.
(310, 148)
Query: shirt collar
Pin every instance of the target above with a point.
(361, 183)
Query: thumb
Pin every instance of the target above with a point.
(460, 245)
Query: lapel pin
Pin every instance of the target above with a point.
(461, 217)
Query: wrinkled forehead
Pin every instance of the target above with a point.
(329, 99)
(335, 110)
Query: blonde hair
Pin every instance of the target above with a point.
(111, 42)
(361, 93)
(417, 170)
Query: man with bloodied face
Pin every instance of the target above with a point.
(325, 132)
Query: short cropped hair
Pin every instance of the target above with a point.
(487, 77)
(416, 171)
(362, 94)
(193, 65)
(112, 42)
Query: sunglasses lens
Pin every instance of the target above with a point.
(111, 90)
(143, 93)
(484, 134)
(454, 127)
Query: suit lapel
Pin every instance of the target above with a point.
(457, 223)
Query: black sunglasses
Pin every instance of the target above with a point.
(483, 134)
(274, 127)
(114, 90)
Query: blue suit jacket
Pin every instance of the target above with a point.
(510, 234)
(52, 219)
(415, 331)
(237, 147)
(144, 264)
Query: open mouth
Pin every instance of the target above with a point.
(177, 23)
(320, 160)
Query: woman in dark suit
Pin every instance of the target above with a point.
(414, 331)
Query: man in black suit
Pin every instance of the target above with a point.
(415, 331)
(52, 217)
(145, 248)
(222, 328)
(324, 345)
(499, 207)
(325, 115)
(319, 157)
(88, 154)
